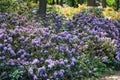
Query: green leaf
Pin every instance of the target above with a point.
(110, 2)
(97, 74)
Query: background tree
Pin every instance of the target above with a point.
(57, 1)
(117, 4)
(73, 2)
(90, 2)
(36, 1)
(104, 3)
(53, 1)
(80, 1)
(42, 8)
(61, 2)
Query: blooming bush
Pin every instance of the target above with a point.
(16, 6)
(74, 49)
(109, 12)
(96, 11)
(68, 11)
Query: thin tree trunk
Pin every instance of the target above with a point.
(61, 2)
(104, 3)
(57, 1)
(80, 1)
(90, 2)
(73, 2)
(117, 4)
(36, 1)
(53, 2)
(42, 8)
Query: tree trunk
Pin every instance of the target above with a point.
(104, 3)
(36, 1)
(90, 2)
(57, 1)
(61, 2)
(117, 4)
(80, 1)
(73, 2)
(53, 2)
(42, 8)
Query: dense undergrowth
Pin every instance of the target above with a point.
(74, 49)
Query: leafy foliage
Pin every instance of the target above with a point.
(17, 6)
(110, 2)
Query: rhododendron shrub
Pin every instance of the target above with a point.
(75, 49)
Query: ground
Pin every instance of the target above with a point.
(115, 76)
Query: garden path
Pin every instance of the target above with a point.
(115, 76)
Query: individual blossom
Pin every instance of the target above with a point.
(94, 69)
(57, 48)
(89, 71)
(105, 58)
(61, 73)
(42, 72)
(35, 77)
(10, 39)
(45, 51)
(41, 59)
(118, 55)
(13, 52)
(55, 74)
(2, 58)
(35, 61)
(73, 59)
(81, 71)
(68, 66)
(73, 50)
(51, 65)
(66, 60)
(53, 36)
(30, 71)
(62, 62)
(1, 45)
(5, 48)
(11, 62)
(3, 25)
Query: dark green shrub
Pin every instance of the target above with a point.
(94, 10)
(12, 6)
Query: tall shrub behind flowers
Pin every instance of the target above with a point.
(110, 13)
(69, 11)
